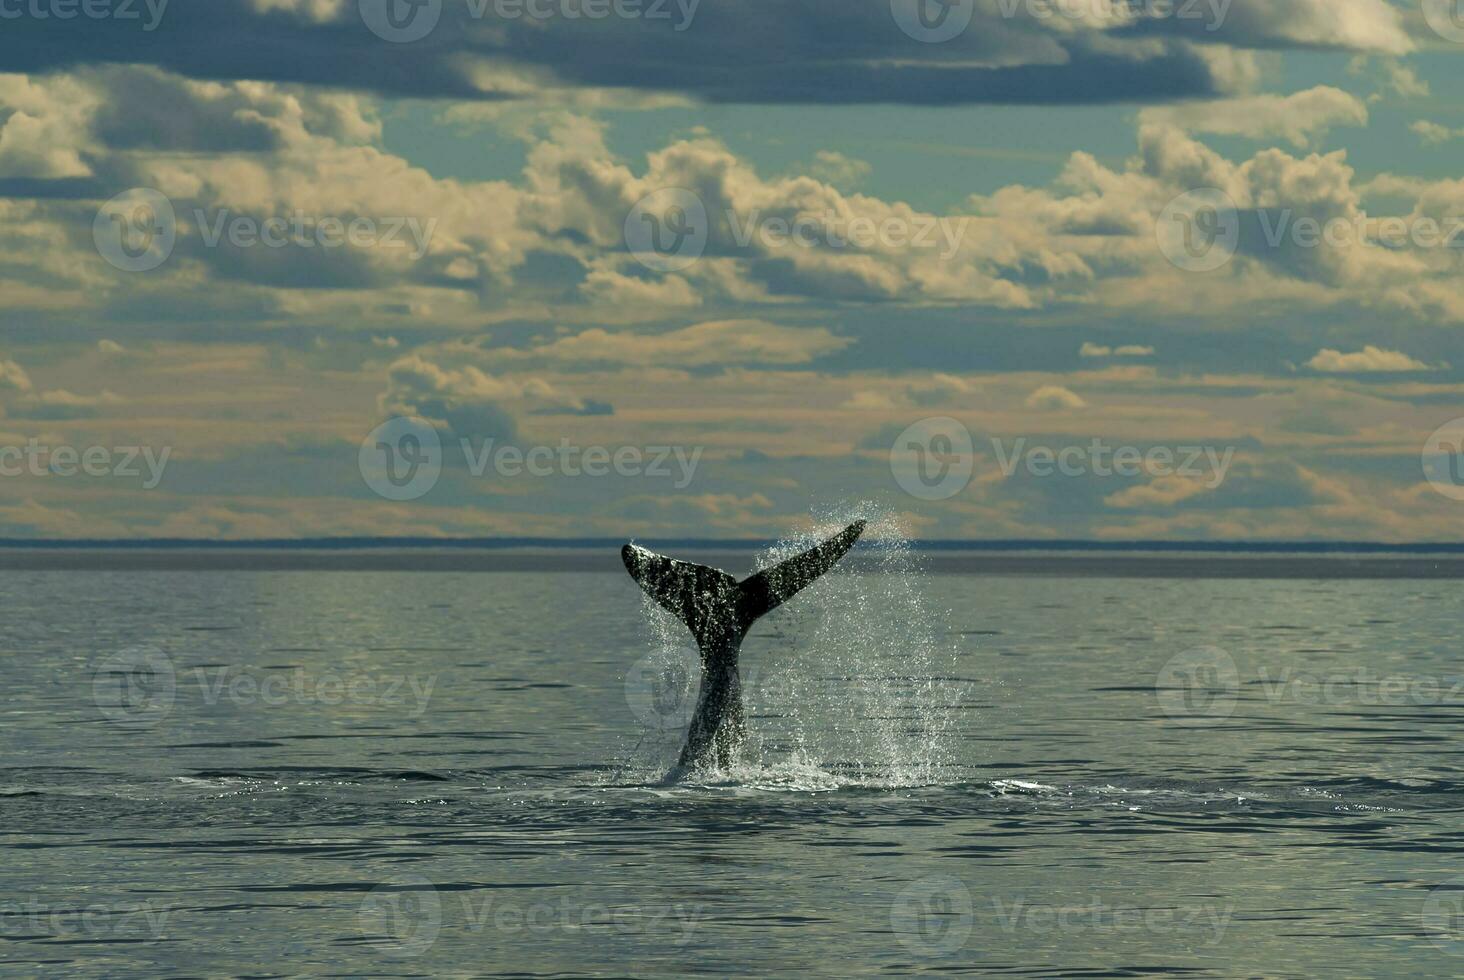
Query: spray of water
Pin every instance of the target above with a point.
(847, 685)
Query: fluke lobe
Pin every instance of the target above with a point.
(719, 610)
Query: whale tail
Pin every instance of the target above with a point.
(719, 610)
(717, 607)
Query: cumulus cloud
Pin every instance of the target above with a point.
(842, 172)
(1299, 118)
(467, 400)
(13, 377)
(1054, 398)
(1127, 350)
(830, 51)
(44, 125)
(939, 389)
(1164, 491)
(1369, 360)
(1348, 25)
(1433, 133)
(704, 344)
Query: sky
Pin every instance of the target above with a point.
(1073, 269)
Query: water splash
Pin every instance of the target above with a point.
(847, 685)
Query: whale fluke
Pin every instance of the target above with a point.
(719, 611)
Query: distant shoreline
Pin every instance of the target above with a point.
(726, 544)
(605, 558)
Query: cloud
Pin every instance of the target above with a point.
(693, 513)
(1369, 360)
(1127, 350)
(44, 125)
(1164, 491)
(13, 377)
(840, 171)
(828, 51)
(1054, 398)
(1404, 81)
(939, 389)
(704, 344)
(62, 406)
(1346, 25)
(1432, 133)
(467, 400)
(1300, 118)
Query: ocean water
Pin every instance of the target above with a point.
(408, 773)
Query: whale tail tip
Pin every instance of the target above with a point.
(695, 593)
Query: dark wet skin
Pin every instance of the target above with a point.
(719, 611)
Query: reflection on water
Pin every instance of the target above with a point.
(442, 773)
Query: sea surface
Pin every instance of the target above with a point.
(332, 773)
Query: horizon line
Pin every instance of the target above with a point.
(361, 543)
